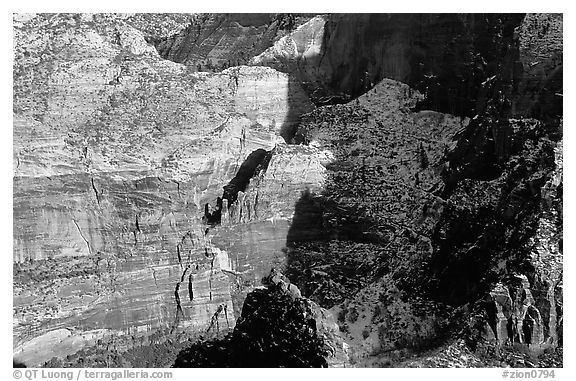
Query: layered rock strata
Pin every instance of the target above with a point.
(116, 151)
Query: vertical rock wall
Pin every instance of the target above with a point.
(115, 153)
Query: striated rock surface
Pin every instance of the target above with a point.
(115, 152)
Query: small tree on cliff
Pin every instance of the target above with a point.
(423, 157)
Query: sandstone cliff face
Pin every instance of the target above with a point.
(115, 153)
(427, 206)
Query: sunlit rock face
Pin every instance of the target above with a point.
(115, 153)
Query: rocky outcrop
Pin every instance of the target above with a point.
(517, 319)
(277, 328)
(527, 307)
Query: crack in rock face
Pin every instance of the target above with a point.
(400, 174)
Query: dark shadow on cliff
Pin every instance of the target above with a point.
(466, 65)
(298, 105)
(471, 237)
(336, 249)
(332, 250)
(447, 57)
(256, 162)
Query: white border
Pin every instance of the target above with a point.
(301, 6)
